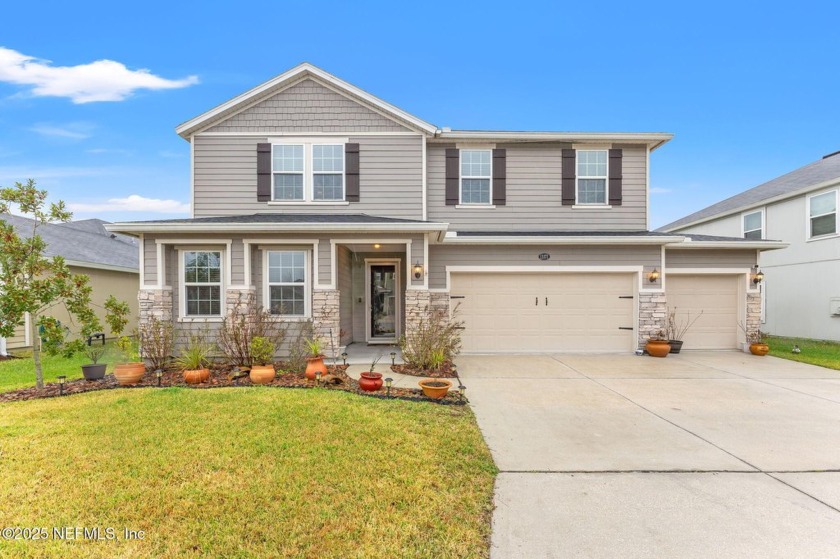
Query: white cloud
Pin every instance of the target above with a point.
(133, 203)
(657, 190)
(72, 131)
(102, 80)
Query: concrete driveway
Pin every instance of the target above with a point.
(702, 454)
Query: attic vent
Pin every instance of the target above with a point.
(830, 155)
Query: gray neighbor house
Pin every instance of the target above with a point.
(801, 287)
(323, 203)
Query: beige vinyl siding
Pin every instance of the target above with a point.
(307, 106)
(149, 261)
(533, 199)
(324, 262)
(712, 258)
(18, 340)
(417, 256)
(225, 176)
(441, 256)
(345, 288)
(237, 260)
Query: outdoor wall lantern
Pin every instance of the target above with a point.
(61, 380)
(757, 275)
(159, 375)
(388, 382)
(653, 276)
(418, 270)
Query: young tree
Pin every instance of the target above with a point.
(31, 282)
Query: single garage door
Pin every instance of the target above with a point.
(535, 312)
(717, 297)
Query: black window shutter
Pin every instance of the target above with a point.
(263, 172)
(351, 172)
(499, 176)
(568, 177)
(615, 177)
(453, 160)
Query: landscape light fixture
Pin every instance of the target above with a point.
(393, 357)
(757, 275)
(61, 380)
(159, 375)
(418, 270)
(462, 391)
(317, 378)
(653, 276)
(344, 357)
(388, 382)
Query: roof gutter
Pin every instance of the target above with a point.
(98, 266)
(452, 238)
(654, 139)
(149, 227)
(754, 245)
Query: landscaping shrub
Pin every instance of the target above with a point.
(435, 340)
(299, 348)
(241, 325)
(156, 342)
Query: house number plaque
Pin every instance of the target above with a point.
(544, 256)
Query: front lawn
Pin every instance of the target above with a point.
(247, 472)
(815, 352)
(20, 373)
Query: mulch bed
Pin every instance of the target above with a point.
(220, 378)
(447, 370)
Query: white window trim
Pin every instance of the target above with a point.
(578, 204)
(182, 286)
(307, 282)
(461, 177)
(808, 216)
(743, 224)
(309, 170)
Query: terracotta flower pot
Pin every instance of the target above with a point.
(313, 365)
(370, 382)
(435, 388)
(658, 348)
(759, 349)
(94, 372)
(262, 374)
(196, 376)
(129, 373)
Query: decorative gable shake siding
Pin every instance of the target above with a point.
(390, 177)
(533, 199)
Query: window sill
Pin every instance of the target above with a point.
(591, 207)
(301, 204)
(475, 207)
(281, 318)
(823, 237)
(200, 319)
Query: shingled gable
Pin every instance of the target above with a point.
(297, 75)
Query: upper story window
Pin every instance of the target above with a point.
(822, 214)
(307, 172)
(202, 285)
(592, 177)
(287, 282)
(476, 171)
(753, 223)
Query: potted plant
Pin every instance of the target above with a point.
(435, 388)
(677, 328)
(194, 359)
(756, 340)
(95, 370)
(132, 369)
(315, 361)
(657, 345)
(262, 356)
(371, 381)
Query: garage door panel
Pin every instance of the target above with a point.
(545, 311)
(717, 297)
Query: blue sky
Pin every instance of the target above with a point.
(749, 90)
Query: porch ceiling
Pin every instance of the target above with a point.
(369, 247)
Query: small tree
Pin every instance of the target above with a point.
(31, 282)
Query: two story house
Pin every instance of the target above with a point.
(802, 282)
(320, 202)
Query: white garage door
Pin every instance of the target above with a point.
(717, 297)
(545, 311)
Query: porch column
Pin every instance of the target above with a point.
(155, 303)
(652, 315)
(753, 311)
(325, 319)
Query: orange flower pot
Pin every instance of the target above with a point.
(759, 349)
(129, 373)
(658, 348)
(262, 374)
(370, 382)
(313, 365)
(435, 388)
(196, 376)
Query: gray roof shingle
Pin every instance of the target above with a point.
(82, 241)
(815, 173)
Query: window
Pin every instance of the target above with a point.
(288, 282)
(328, 172)
(754, 225)
(287, 168)
(592, 177)
(203, 283)
(822, 211)
(475, 176)
(308, 172)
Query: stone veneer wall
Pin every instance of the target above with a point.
(753, 312)
(155, 303)
(326, 312)
(419, 303)
(652, 315)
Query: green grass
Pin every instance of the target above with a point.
(20, 373)
(247, 472)
(815, 352)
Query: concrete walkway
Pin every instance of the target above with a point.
(703, 454)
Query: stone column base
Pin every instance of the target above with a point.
(653, 310)
(326, 319)
(155, 303)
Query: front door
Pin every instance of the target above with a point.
(384, 300)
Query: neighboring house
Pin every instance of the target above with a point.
(321, 202)
(109, 259)
(802, 282)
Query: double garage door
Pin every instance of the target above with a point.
(533, 312)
